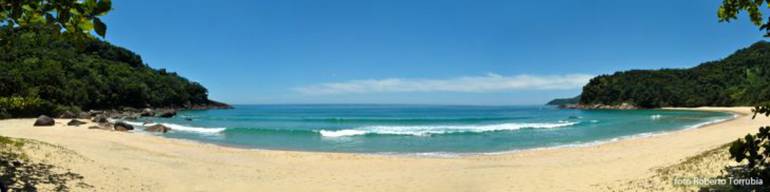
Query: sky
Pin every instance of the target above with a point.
(470, 52)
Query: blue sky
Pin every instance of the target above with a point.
(417, 52)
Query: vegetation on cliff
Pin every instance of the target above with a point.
(742, 78)
(50, 62)
(43, 72)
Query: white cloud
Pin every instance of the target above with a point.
(469, 84)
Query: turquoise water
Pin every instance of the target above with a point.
(422, 128)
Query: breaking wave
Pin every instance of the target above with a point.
(426, 130)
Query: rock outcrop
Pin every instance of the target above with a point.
(623, 106)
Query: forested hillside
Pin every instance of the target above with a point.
(742, 78)
(44, 72)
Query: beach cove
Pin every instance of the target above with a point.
(119, 161)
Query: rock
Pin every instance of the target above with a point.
(130, 109)
(100, 118)
(44, 121)
(168, 113)
(122, 126)
(114, 114)
(107, 125)
(147, 112)
(188, 119)
(626, 106)
(129, 116)
(100, 128)
(622, 106)
(209, 105)
(95, 112)
(84, 115)
(68, 115)
(117, 115)
(157, 128)
(75, 122)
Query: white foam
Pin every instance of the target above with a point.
(710, 122)
(426, 154)
(615, 139)
(655, 117)
(342, 133)
(570, 145)
(177, 127)
(134, 123)
(426, 130)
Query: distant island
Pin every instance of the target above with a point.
(740, 79)
(565, 101)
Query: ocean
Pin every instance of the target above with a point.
(421, 129)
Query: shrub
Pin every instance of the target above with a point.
(24, 107)
(752, 152)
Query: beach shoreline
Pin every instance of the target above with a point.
(151, 163)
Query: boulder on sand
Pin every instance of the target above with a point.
(100, 127)
(157, 128)
(75, 122)
(123, 126)
(44, 121)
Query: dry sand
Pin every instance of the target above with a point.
(119, 161)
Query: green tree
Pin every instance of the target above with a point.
(67, 16)
(753, 149)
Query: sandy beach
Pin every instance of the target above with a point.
(119, 161)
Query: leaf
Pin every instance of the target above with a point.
(102, 7)
(49, 18)
(99, 27)
(64, 16)
(17, 11)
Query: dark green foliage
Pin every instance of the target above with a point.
(76, 17)
(87, 74)
(565, 101)
(25, 106)
(731, 8)
(742, 78)
(754, 150)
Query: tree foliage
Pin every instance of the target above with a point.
(742, 78)
(73, 16)
(731, 8)
(38, 65)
